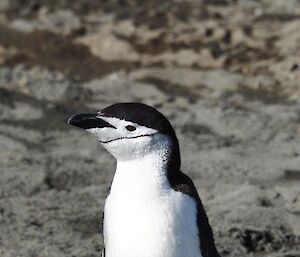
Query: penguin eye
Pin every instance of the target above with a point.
(130, 128)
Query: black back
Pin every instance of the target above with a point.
(149, 117)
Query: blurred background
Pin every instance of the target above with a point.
(225, 72)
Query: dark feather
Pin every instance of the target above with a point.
(182, 183)
(103, 250)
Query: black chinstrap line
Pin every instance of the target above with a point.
(119, 138)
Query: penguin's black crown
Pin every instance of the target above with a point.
(141, 114)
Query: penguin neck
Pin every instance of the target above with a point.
(148, 174)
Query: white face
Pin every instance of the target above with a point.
(128, 140)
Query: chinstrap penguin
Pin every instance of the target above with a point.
(153, 209)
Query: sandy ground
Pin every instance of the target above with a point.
(226, 73)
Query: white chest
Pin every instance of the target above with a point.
(145, 217)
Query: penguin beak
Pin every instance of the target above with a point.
(88, 121)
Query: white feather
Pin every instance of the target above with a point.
(144, 216)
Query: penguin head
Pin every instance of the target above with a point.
(129, 130)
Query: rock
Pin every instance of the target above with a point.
(35, 82)
(107, 46)
(20, 111)
(217, 81)
(277, 6)
(61, 22)
(291, 194)
(7, 53)
(244, 195)
(183, 58)
(25, 25)
(118, 87)
(5, 5)
(288, 44)
(125, 28)
(14, 149)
